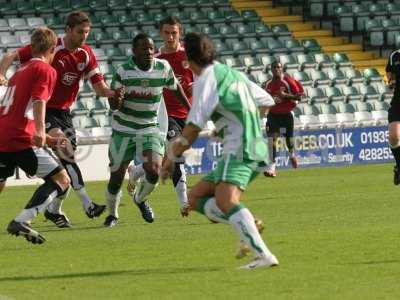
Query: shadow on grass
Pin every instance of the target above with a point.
(138, 272)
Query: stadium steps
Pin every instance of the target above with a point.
(300, 26)
(302, 30)
(312, 34)
(245, 4)
(376, 63)
(331, 41)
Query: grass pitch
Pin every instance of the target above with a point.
(334, 230)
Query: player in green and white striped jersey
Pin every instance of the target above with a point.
(137, 133)
(229, 99)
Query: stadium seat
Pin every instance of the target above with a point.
(294, 46)
(238, 47)
(309, 121)
(35, 22)
(61, 7)
(288, 62)
(280, 30)
(354, 75)
(260, 76)
(55, 22)
(198, 17)
(233, 62)
(326, 108)
(302, 77)
(266, 60)
(211, 31)
(232, 17)
(222, 48)
(316, 95)
(100, 54)
(78, 109)
(336, 76)
(351, 93)
(374, 33)
(372, 75)
(4, 26)
(363, 118)
(251, 63)
(262, 30)
(113, 54)
(344, 107)
(324, 61)
(334, 94)
(256, 46)
(10, 41)
(274, 46)
(345, 19)
(310, 46)
(391, 29)
(379, 105)
(361, 15)
(107, 21)
(18, 24)
(306, 61)
(319, 78)
(102, 120)
(369, 92)
(328, 120)
(308, 109)
(341, 60)
(246, 31)
(8, 9)
(216, 17)
(250, 16)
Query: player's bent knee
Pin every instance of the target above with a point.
(62, 179)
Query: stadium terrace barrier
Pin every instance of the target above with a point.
(315, 148)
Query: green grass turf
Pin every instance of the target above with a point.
(334, 230)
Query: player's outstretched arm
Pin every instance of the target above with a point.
(5, 63)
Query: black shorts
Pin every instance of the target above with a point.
(282, 124)
(62, 119)
(394, 113)
(33, 161)
(175, 127)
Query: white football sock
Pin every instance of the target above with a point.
(243, 222)
(55, 206)
(181, 188)
(26, 215)
(85, 199)
(143, 189)
(113, 202)
(212, 211)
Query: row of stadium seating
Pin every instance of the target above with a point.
(326, 9)
(37, 7)
(241, 39)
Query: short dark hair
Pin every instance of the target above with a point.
(275, 63)
(76, 18)
(170, 20)
(199, 48)
(138, 37)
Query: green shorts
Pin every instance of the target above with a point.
(233, 171)
(127, 147)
